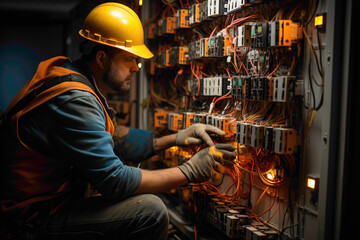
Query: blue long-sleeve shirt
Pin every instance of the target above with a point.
(70, 128)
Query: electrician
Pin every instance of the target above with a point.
(61, 138)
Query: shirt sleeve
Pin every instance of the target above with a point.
(136, 146)
(79, 132)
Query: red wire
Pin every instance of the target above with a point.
(272, 73)
(172, 8)
(187, 92)
(227, 70)
(175, 79)
(197, 77)
(252, 64)
(213, 100)
(257, 215)
(222, 97)
(212, 33)
(206, 75)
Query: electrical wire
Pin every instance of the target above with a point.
(256, 163)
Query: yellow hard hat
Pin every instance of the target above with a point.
(118, 26)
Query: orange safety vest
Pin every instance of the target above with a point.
(29, 180)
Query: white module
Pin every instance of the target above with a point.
(244, 36)
(234, 5)
(216, 7)
(280, 89)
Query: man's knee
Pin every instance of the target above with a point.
(154, 207)
(153, 219)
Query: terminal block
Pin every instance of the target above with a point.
(194, 50)
(257, 136)
(179, 55)
(224, 125)
(227, 46)
(272, 89)
(279, 140)
(182, 19)
(194, 14)
(238, 87)
(203, 11)
(160, 118)
(284, 33)
(151, 31)
(243, 133)
(199, 118)
(212, 47)
(244, 36)
(259, 35)
(166, 26)
(216, 8)
(216, 86)
(219, 46)
(234, 5)
(268, 138)
(165, 59)
(204, 52)
(188, 119)
(175, 121)
(284, 140)
(195, 87)
(284, 88)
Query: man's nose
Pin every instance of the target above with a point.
(135, 66)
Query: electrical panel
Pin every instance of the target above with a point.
(237, 65)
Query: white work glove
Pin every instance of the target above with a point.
(197, 134)
(208, 162)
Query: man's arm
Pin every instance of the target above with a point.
(164, 142)
(159, 181)
(199, 168)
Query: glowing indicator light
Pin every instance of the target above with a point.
(270, 176)
(140, 2)
(311, 183)
(139, 65)
(319, 21)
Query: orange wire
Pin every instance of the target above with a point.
(255, 216)
(197, 77)
(272, 73)
(252, 64)
(212, 33)
(227, 70)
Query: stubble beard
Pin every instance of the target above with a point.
(111, 78)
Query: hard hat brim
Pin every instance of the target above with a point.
(140, 51)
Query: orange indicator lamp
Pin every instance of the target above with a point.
(312, 183)
(319, 21)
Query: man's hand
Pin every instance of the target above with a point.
(201, 166)
(197, 134)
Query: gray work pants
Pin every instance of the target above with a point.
(139, 217)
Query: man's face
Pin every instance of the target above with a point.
(119, 73)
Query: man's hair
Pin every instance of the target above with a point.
(89, 50)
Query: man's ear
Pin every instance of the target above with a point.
(102, 59)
